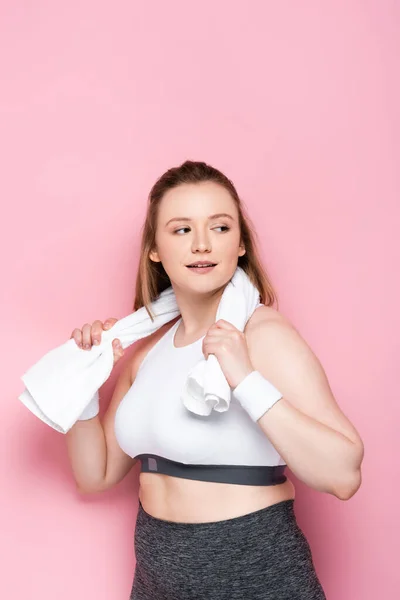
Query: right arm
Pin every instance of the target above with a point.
(97, 461)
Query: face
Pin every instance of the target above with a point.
(188, 230)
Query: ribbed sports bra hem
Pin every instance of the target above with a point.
(237, 474)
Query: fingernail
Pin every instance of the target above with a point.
(95, 342)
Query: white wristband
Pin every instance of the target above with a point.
(92, 409)
(256, 394)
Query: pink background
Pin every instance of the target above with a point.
(297, 102)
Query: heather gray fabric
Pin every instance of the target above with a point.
(262, 555)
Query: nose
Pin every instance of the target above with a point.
(201, 242)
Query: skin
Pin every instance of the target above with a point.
(178, 244)
(308, 429)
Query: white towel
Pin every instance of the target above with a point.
(62, 383)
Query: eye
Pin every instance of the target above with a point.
(218, 227)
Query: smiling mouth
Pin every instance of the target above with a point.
(201, 266)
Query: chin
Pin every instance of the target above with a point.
(208, 282)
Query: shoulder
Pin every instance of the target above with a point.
(265, 325)
(265, 314)
(278, 350)
(273, 340)
(140, 348)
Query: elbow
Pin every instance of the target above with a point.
(351, 485)
(348, 489)
(84, 490)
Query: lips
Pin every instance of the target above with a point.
(202, 268)
(201, 264)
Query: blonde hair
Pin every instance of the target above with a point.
(152, 279)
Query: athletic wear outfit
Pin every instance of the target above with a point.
(258, 556)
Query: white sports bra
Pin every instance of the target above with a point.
(153, 425)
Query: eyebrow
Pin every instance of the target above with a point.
(216, 216)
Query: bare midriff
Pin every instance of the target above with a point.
(190, 501)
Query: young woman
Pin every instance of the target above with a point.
(216, 511)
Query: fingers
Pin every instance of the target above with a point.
(86, 336)
(96, 331)
(117, 349)
(109, 322)
(90, 335)
(77, 336)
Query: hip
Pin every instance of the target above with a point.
(260, 555)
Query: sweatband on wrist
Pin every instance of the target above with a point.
(92, 409)
(256, 394)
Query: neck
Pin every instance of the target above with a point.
(198, 311)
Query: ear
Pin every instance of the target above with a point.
(153, 255)
(242, 249)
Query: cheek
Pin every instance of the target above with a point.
(171, 248)
(230, 243)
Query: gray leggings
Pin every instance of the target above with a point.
(262, 555)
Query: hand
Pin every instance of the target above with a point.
(91, 334)
(229, 346)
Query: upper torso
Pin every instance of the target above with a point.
(152, 419)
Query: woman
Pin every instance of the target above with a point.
(216, 511)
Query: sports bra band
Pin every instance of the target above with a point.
(240, 474)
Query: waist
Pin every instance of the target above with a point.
(236, 474)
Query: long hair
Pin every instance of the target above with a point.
(152, 278)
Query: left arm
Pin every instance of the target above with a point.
(306, 426)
